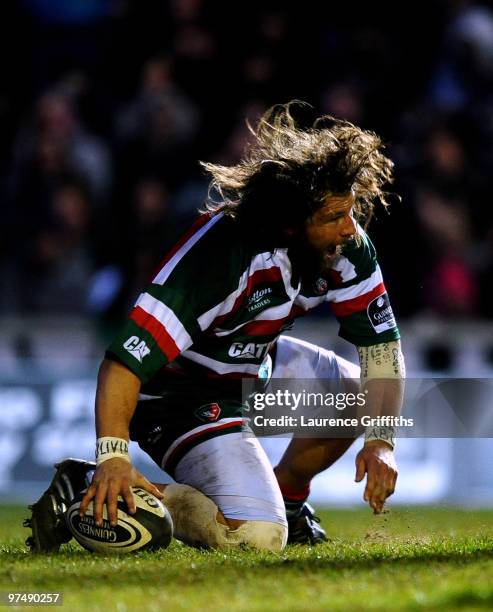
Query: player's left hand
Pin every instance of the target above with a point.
(376, 459)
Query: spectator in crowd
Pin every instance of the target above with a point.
(155, 128)
(57, 264)
(54, 142)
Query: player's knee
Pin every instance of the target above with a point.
(261, 535)
(198, 522)
(265, 535)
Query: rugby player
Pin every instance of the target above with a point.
(285, 234)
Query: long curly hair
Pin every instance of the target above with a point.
(294, 162)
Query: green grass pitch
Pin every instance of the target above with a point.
(407, 559)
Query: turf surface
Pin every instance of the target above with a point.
(408, 559)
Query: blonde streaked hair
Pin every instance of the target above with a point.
(294, 162)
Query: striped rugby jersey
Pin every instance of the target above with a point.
(218, 303)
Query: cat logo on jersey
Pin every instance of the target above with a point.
(137, 348)
(248, 350)
(208, 413)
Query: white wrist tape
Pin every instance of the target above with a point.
(382, 361)
(386, 433)
(109, 448)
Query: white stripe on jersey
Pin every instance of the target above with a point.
(194, 431)
(342, 264)
(166, 270)
(167, 318)
(348, 293)
(346, 269)
(262, 261)
(307, 303)
(219, 366)
(270, 314)
(286, 270)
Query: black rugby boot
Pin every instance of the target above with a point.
(47, 521)
(304, 528)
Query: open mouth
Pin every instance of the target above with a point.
(330, 252)
(336, 249)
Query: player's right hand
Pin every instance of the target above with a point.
(112, 478)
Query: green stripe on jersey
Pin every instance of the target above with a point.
(211, 269)
(357, 329)
(181, 305)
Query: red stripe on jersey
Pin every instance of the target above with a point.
(263, 328)
(200, 222)
(266, 328)
(298, 311)
(269, 275)
(357, 304)
(157, 331)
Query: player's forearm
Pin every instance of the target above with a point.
(384, 397)
(116, 399)
(382, 377)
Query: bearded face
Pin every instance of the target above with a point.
(325, 234)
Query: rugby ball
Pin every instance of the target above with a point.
(150, 528)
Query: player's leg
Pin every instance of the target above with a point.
(306, 457)
(226, 493)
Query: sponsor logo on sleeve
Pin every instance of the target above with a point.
(380, 314)
(259, 298)
(137, 348)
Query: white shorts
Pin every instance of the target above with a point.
(298, 359)
(234, 471)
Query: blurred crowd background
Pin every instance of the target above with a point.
(107, 106)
